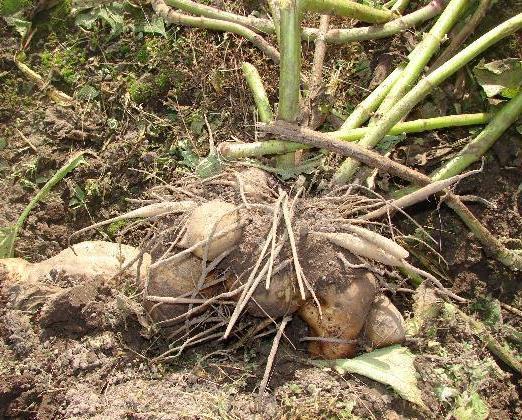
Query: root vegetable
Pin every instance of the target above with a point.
(344, 315)
(256, 184)
(381, 241)
(385, 325)
(173, 280)
(205, 221)
(363, 247)
(87, 259)
(282, 298)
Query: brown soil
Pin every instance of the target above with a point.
(84, 352)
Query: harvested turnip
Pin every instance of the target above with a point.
(344, 314)
(384, 325)
(255, 184)
(207, 221)
(173, 280)
(89, 259)
(282, 298)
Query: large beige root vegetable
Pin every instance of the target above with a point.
(385, 325)
(282, 298)
(89, 259)
(173, 280)
(208, 220)
(344, 315)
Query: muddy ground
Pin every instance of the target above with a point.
(143, 99)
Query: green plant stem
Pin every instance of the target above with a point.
(477, 147)
(260, 25)
(171, 16)
(400, 5)
(270, 147)
(273, 5)
(40, 195)
(401, 109)
(418, 59)
(289, 68)
(258, 92)
(365, 109)
(463, 34)
(497, 348)
(349, 8)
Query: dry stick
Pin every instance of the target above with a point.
(180, 255)
(176, 18)
(415, 197)
(319, 53)
(317, 69)
(152, 210)
(275, 223)
(271, 356)
(56, 95)
(368, 157)
(210, 301)
(324, 141)
(463, 34)
(415, 66)
(268, 147)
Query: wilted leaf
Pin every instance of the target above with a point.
(111, 14)
(21, 26)
(501, 77)
(156, 25)
(391, 366)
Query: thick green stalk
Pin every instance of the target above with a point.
(477, 147)
(426, 84)
(422, 54)
(289, 68)
(400, 5)
(463, 33)
(261, 25)
(271, 147)
(365, 109)
(273, 5)
(349, 8)
(258, 92)
(409, 73)
(171, 16)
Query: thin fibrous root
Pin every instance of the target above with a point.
(271, 356)
(151, 210)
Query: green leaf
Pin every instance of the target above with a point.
(154, 26)
(208, 167)
(111, 14)
(500, 78)
(87, 93)
(470, 407)
(391, 366)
